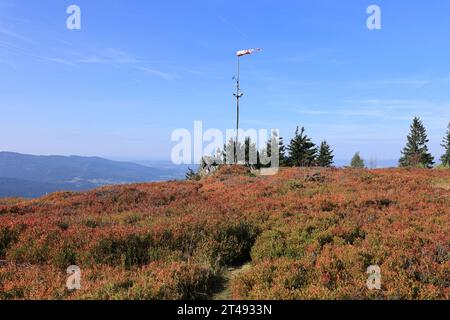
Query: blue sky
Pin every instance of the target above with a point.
(137, 70)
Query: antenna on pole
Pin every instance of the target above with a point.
(239, 95)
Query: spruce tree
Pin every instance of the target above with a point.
(325, 157)
(267, 151)
(357, 161)
(302, 151)
(446, 144)
(415, 153)
(231, 151)
(282, 152)
(250, 153)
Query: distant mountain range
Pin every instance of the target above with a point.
(33, 176)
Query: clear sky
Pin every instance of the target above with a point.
(137, 70)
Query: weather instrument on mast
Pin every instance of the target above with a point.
(239, 93)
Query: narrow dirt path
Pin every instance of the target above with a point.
(230, 274)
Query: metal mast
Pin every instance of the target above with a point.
(238, 96)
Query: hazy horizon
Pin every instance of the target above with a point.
(381, 163)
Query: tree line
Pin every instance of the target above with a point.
(416, 152)
(303, 152)
(300, 152)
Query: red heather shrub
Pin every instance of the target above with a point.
(306, 234)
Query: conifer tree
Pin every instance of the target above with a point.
(282, 152)
(357, 161)
(231, 151)
(250, 153)
(302, 151)
(325, 157)
(446, 144)
(415, 153)
(267, 151)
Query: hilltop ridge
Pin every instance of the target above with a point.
(303, 234)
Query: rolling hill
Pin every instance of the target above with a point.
(305, 233)
(33, 176)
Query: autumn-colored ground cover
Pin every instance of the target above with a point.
(306, 233)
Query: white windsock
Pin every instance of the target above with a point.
(248, 51)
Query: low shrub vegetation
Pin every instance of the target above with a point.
(304, 233)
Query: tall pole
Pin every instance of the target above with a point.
(238, 96)
(237, 110)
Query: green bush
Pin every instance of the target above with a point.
(63, 225)
(270, 244)
(280, 278)
(30, 253)
(128, 251)
(233, 243)
(91, 224)
(65, 257)
(7, 238)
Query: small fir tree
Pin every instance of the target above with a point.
(415, 153)
(446, 144)
(302, 151)
(357, 161)
(325, 157)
